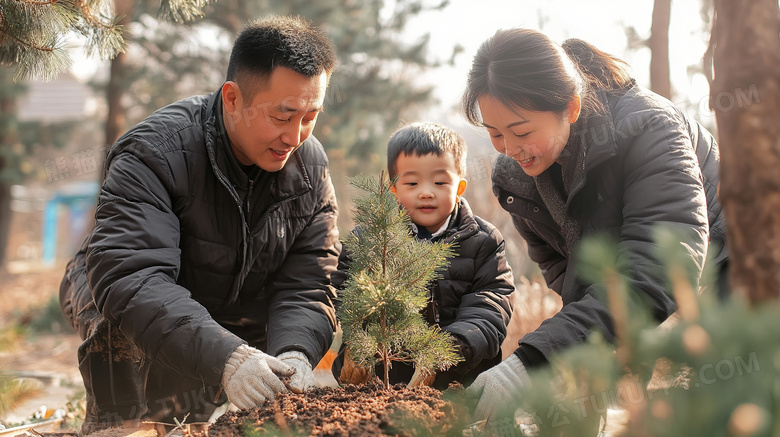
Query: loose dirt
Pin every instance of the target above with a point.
(367, 410)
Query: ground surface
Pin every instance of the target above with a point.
(47, 357)
(349, 411)
(50, 358)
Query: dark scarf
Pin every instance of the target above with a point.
(555, 183)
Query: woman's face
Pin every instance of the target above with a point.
(533, 139)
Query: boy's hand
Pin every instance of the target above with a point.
(463, 348)
(351, 373)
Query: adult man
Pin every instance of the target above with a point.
(214, 240)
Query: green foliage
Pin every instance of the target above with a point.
(715, 366)
(731, 355)
(44, 319)
(387, 286)
(33, 34)
(373, 89)
(181, 10)
(169, 61)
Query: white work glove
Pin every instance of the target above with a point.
(303, 378)
(498, 389)
(250, 377)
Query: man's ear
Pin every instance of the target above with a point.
(231, 96)
(462, 187)
(573, 108)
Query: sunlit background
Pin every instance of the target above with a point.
(63, 121)
(401, 61)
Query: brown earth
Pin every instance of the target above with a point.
(367, 410)
(23, 297)
(47, 358)
(348, 411)
(23, 292)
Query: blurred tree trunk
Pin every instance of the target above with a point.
(746, 97)
(659, 48)
(5, 220)
(117, 82)
(8, 137)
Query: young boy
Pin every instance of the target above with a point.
(471, 299)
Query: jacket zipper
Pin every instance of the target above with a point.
(247, 240)
(247, 265)
(584, 178)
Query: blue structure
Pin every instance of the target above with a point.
(78, 199)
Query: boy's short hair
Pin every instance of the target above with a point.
(421, 139)
(278, 41)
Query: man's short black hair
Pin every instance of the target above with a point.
(420, 139)
(278, 41)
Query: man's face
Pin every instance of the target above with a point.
(267, 130)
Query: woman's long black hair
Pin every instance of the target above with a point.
(523, 68)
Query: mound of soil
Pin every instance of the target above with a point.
(366, 410)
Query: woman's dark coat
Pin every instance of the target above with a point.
(647, 165)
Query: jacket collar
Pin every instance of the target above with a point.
(462, 223)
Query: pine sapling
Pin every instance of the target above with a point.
(386, 289)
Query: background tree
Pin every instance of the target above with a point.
(33, 36)
(658, 43)
(746, 98)
(115, 118)
(32, 39)
(142, 20)
(371, 93)
(9, 153)
(387, 288)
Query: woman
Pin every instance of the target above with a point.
(584, 151)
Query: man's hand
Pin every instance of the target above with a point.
(250, 377)
(498, 389)
(303, 378)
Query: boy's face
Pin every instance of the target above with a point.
(266, 130)
(428, 187)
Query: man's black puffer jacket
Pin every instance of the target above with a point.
(646, 165)
(186, 250)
